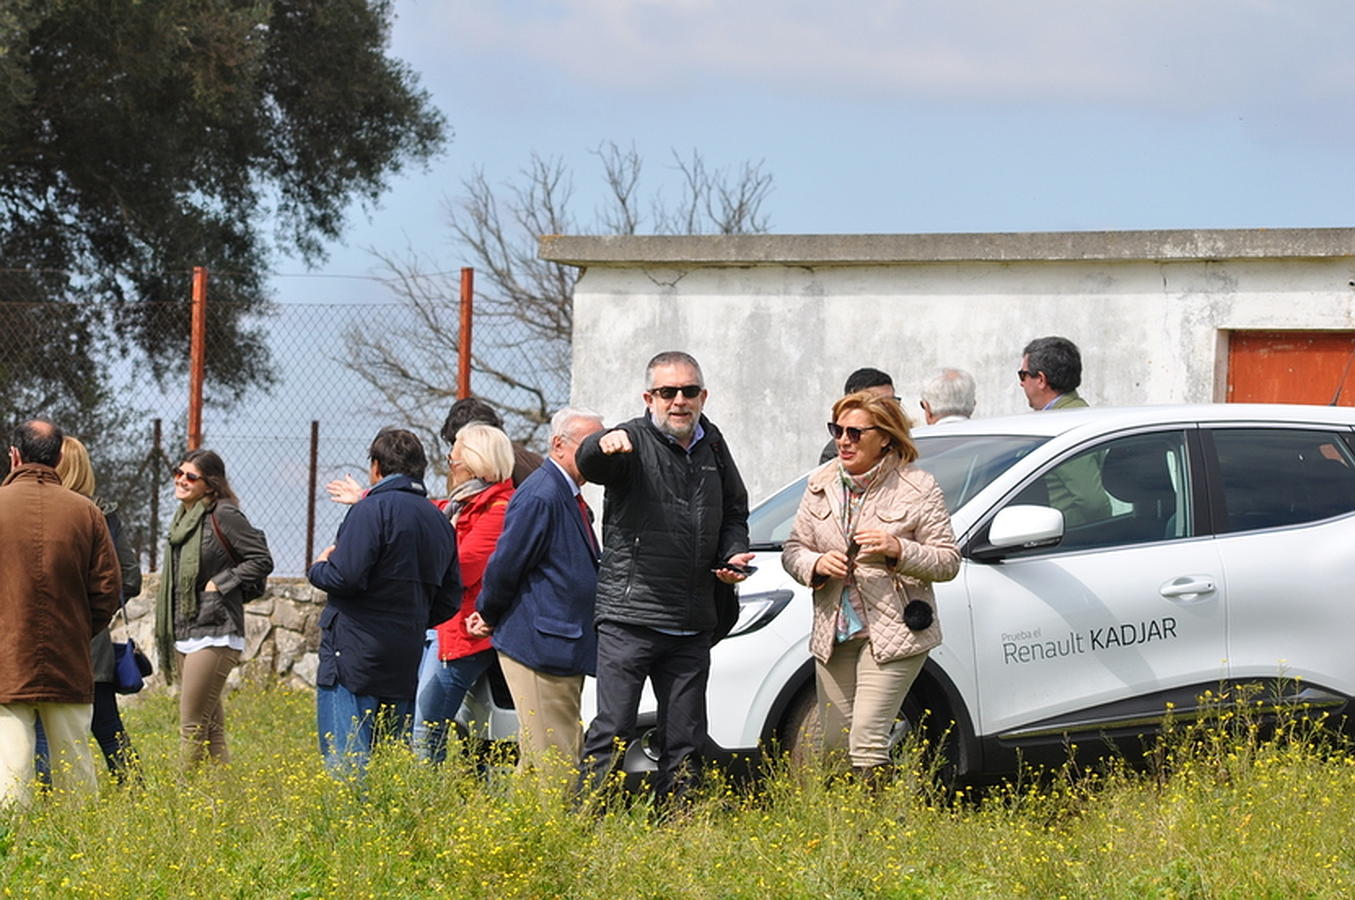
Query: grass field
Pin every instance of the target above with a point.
(1220, 812)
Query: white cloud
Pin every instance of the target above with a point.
(1183, 54)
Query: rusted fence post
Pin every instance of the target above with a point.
(464, 338)
(197, 357)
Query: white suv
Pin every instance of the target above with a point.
(1202, 545)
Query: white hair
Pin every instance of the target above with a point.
(560, 422)
(486, 451)
(950, 392)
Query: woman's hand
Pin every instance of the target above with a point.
(211, 586)
(477, 627)
(344, 490)
(832, 564)
(881, 542)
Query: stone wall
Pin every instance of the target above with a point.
(282, 631)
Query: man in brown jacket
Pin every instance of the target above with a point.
(59, 584)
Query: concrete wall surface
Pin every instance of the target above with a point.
(778, 322)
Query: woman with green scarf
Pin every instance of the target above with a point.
(214, 561)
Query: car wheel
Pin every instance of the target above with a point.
(802, 733)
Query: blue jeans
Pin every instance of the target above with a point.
(442, 687)
(349, 724)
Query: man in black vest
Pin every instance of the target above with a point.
(675, 519)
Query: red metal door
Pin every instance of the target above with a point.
(1291, 367)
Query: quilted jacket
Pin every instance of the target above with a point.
(904, 501)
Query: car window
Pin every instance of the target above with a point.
(1129, 490)
(962, 465)
(1271, 477)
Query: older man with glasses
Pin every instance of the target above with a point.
(1050, 373)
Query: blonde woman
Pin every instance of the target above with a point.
(212, 556)
(480, 484)
(871, 535)
(76, 473)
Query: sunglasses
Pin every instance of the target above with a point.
(1023, 374)
(851, 431)
(668, 392)
(190, 477)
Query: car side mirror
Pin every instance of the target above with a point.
(1020, 527)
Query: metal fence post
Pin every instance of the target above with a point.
(156, 456)
(197, 357)
(310, 495)
(464, 338)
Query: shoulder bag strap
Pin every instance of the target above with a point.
(221, 536)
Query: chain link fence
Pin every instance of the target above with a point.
(285, 401)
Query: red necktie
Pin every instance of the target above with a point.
(587, 523)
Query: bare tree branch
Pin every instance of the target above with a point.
(524, 313)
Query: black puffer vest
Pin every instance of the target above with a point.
(668, 518)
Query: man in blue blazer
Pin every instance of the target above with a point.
(537, 597)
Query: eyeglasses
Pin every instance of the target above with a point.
(668, 392)
(1023, 374)
(851, 431)
(190, 477)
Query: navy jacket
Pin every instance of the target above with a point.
(540, 583)
(392, 575)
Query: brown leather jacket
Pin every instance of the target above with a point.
(907, 503)
(59, 585)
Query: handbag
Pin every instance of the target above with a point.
(130, 667)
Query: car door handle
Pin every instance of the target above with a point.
(1187, 586)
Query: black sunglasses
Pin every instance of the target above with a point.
(851, 431)
(1023, 374)
(668, 392)
(190, 477)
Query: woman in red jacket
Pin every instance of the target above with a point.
(480, 484)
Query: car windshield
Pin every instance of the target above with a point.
(962, 464)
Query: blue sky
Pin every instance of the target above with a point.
(963, 115)
(873, 117)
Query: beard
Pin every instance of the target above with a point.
(681, 432)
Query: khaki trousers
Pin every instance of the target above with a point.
(202, 716)
(549, 729)
(67, 727)
(859, 699)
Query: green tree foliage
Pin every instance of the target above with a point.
(143, 138)
(140, 138)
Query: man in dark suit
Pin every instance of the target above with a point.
(537, 597)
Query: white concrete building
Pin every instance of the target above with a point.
(779, 321)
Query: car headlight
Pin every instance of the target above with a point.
(756, 610)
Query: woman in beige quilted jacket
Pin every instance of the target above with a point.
(871, 535)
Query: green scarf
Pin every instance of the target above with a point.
(179, 577)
